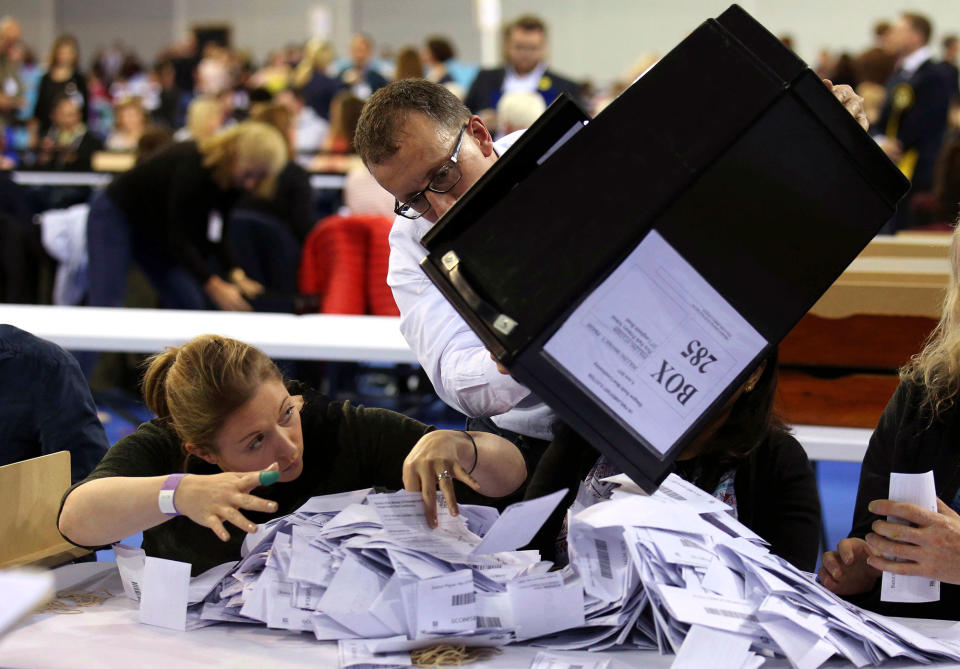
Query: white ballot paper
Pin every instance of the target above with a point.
(130, 563)
(164, 589)
(550, 661)
(545, 603)
(355, 654)
(23, 590)
(655, 343)
(518, 524)
(918, 489)
(714, 648)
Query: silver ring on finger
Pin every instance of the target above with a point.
(445, 474)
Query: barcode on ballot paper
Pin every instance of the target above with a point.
(603, 556)
(488, 621)
(671, 493)
(732, 614)
(136, 588)
(463, 599)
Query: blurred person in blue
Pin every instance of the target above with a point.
(45, 404)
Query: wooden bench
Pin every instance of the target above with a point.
(839, 364)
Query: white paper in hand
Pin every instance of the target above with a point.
(918, 489)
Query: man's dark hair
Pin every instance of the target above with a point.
(880, 28)
(528, 22)
(385, 113)
(949, 41)
(440, 49)
(919, 23)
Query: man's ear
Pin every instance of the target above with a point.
(201, 453)
(478, 130)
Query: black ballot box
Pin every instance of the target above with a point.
(634, 270)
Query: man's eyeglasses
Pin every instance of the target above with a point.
(444, 179)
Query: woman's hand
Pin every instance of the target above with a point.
(212, 500)
(930, 548)
(845, 571)
(436, 460)
(247, 286)
(225, 295)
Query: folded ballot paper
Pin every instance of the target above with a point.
(673, 571)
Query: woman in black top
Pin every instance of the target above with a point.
(745, 457)
(62, 79)
(159, 214)
(228, 426)
(919, 431)
(266, 235)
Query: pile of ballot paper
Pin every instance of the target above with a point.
(676, 571)
(673, 571)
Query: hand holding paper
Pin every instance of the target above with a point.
(434, 461)
(486, 462)
(931, 547)
(912, 499)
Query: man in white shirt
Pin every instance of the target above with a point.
(417, 139)
(424, 147)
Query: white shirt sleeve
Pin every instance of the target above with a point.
(456, 361)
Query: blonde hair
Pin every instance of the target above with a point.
(199, 112)
(250, 144)
(317, 56)
(276, 115)
(937, 367)
(196, 386)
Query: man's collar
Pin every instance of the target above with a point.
(911, 63)
(535, 73)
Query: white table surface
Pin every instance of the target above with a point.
(308, 337)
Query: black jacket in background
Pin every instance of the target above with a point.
(168, 199)
(487, 89)
(923, 123)
(50, 91)
(292, 203)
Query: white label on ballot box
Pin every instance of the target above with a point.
(655, 343)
